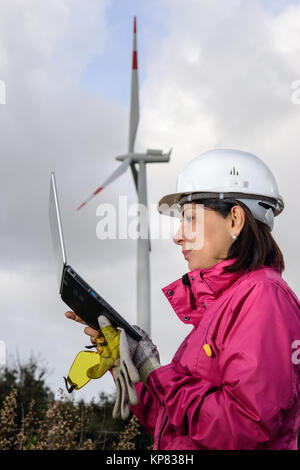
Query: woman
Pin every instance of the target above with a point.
(234, 382)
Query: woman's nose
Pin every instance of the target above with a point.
(178, 237)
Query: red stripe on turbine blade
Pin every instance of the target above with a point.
(83, 204)
(97, 190)
(134, 61)
(134, 24)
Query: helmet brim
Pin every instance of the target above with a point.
(169, 204)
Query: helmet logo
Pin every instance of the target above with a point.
(234, 171)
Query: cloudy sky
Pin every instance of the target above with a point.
(212, 74)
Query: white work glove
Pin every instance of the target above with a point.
(145, 355)
(137, 360)
(125, 375)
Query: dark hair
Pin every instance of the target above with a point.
(255, 246)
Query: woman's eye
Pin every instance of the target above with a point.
(189, 218)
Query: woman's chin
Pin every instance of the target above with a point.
(195, 265)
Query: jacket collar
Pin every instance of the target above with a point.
(191, 294)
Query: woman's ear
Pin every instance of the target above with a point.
(237, 218)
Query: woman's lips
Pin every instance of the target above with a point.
(186, 252)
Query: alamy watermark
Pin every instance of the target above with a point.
(2, 353)
(295, 96)
(296, 354)
(2, 92)
(136, 221)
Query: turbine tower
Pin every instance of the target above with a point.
(132, 158)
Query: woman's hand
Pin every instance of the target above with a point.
(88, 330)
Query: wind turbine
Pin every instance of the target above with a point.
(132, 158)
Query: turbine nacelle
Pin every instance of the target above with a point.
(151, 156)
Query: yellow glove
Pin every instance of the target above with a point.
(107, 354)
(94, 364)
(113, 352)
(124, 371)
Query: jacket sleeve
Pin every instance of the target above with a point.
(147, 408)
(259, 379)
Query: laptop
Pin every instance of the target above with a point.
(74, 290)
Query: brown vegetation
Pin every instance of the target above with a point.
(31, 419)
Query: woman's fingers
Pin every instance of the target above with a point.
(88, 330)
(73, 316)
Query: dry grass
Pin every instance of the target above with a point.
(7, 421)
(126, 438)
(62, 427)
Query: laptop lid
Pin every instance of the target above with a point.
(56, 231)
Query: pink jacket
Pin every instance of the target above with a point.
(246, 395)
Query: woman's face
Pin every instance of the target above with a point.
(205, 235)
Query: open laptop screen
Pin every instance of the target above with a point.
(56, 230)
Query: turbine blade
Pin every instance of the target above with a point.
(134, 97)
(118, 172)
(135, 175)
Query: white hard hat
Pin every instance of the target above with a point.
(223, 174)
